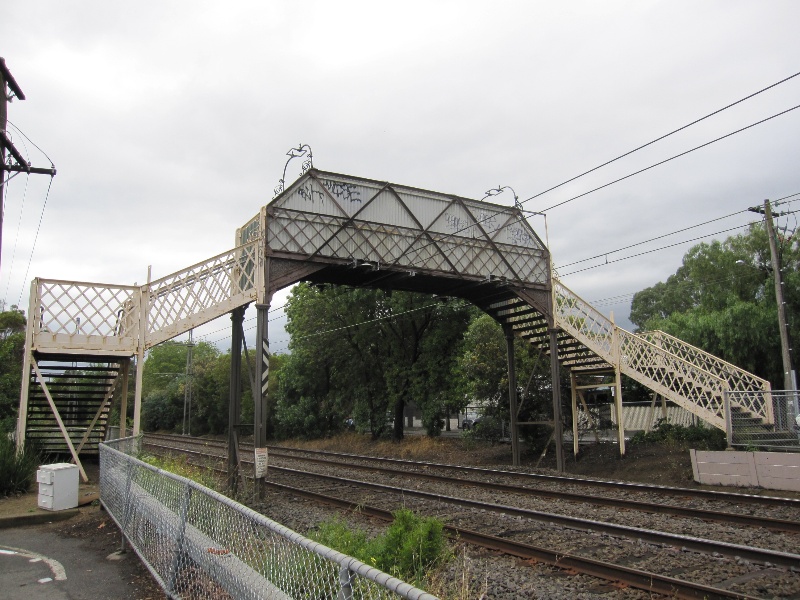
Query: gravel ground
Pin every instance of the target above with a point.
(477, 573)
(744, 577)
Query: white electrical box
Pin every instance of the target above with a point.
(58, 486)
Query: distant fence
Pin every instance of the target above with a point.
(746, 431)
(198, 543)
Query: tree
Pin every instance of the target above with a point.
(12, 349)
(722, 300)
(164, 385)
(366, 353)
(482, 370)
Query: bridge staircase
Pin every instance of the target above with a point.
(83, 335)
(588, 342)
(81, 395)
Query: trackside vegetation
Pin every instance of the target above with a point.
(17, 470)
(410, 549)
(695, 436)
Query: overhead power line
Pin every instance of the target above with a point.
(605, 254)
(562, 203)
(658, 139)
(616, 260)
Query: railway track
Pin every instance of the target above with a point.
(642, 557)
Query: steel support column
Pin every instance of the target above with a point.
(261, 410)
(235, 398)
(573, 384)
(512, 395)
(555, 377)
(620, 414)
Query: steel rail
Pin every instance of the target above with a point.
(759, 555)
(657, 508)
(643, 580)
(648, 507)
(624, 485)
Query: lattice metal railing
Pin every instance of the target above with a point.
(199, 543)
(98, 317)
(199, 293)
(750, 388)
(69, 314)
(686, 375)
(584, 322)
(682, 382)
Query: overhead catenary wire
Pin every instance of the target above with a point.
(35, 238)
(543, 211)
(658, 139)
(777, 202)
(22, 133)
(653, 239)
(616, 260)
(671, 158)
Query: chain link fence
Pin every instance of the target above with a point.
(198, 543)
(746, 431)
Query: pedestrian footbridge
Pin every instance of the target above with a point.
(344, 230)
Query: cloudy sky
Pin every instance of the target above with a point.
(169, 123)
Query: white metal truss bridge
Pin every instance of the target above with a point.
(340, 229)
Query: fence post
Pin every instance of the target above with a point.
(128, 501)
(173, 572)
(345, 584)
(726, 407)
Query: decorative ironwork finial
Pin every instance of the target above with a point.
(499, 190)
(302, 150)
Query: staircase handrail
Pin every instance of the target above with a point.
(208, 289)
(750, 388)
(668, 374)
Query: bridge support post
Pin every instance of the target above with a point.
(235, 398)
(261, 391)
(574, 397)
(555, 376)
(144, 308)
(22, 415)
(512, 395)
(618, 408)
(123, 401)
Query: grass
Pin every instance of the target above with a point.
(179, 465)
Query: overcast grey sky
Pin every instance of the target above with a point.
(169, 122)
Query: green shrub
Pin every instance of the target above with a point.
(17, 471)
(697, 436)
(410, 548)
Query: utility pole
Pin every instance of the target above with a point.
(789, 381)
(187, 388)
(786, 351)
(7, 82)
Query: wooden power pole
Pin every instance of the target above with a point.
(10, 90)
(786, 350)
